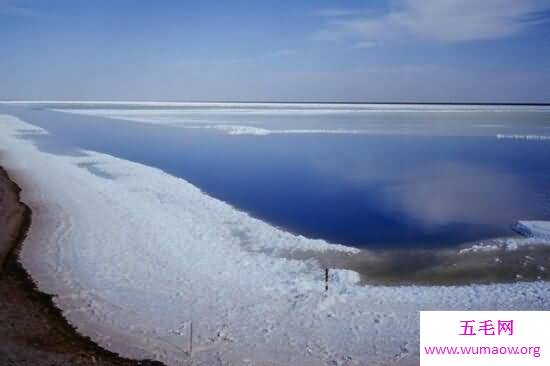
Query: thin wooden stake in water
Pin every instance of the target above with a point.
(191, 338)
(326, 279)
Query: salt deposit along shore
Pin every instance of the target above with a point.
(32, 330)
(134, 255)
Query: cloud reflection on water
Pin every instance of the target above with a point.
(455, 193)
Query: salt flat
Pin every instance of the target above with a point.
(136, 257)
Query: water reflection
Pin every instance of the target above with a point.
(453, 193)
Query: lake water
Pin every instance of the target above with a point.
(367, 176)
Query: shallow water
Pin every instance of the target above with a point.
(397, 179)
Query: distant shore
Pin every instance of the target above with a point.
(32, 330)
(143, 101)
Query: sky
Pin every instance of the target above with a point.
(276, 50)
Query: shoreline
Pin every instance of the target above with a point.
(494, 262)
(33, 330)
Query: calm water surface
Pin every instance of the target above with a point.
(418, 179)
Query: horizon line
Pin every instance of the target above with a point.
(144, 101)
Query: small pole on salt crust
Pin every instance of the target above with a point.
(326, 279)
(191, 338)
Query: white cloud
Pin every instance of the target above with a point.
(440, 20)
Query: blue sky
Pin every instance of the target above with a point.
(393, 50)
